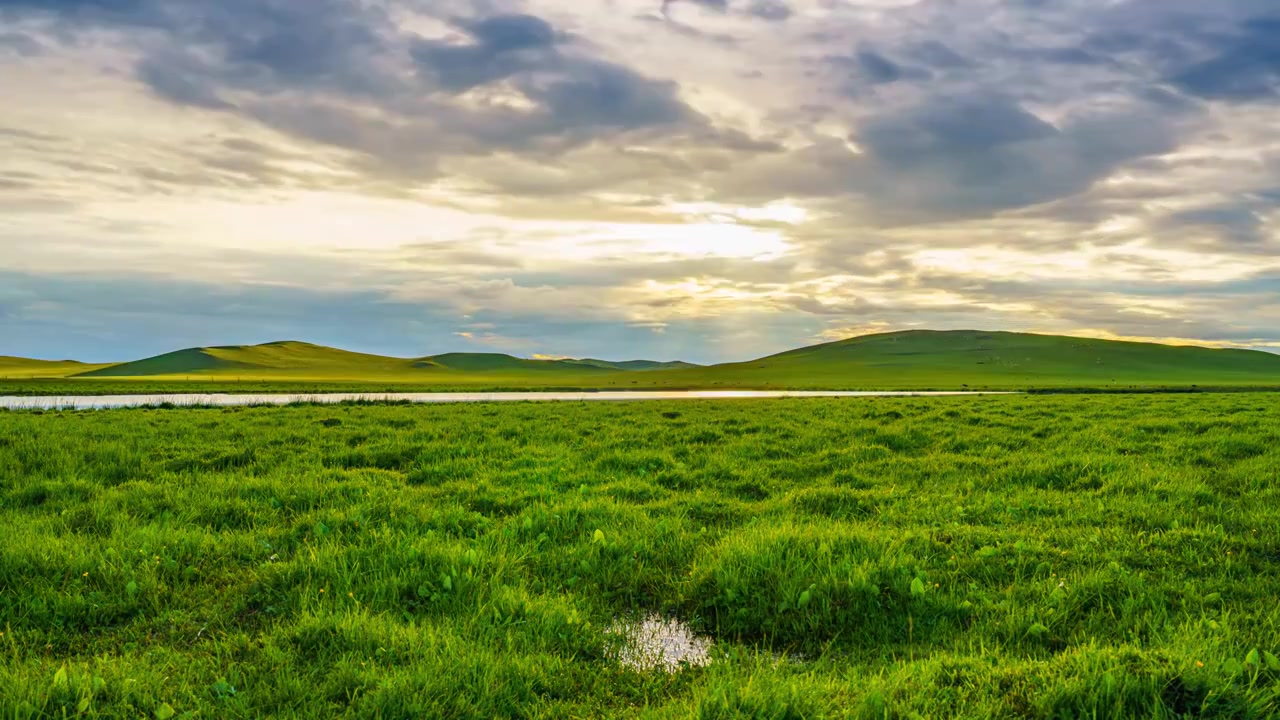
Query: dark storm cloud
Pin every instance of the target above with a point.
(965, 156)
(1225, 50)
(962, 127)
(1036, 103)
(1245, 64)
(342, 73)
(877, 69)
(572, 91)
(500, 47)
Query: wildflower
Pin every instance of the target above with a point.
(351, 595)
(1199, 664)
(321, 591)
(85, 575)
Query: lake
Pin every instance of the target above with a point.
(107, 402)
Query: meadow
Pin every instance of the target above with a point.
(1018, 557)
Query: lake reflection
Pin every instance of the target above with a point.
(105, 402)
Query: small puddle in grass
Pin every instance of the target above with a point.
(658, 643)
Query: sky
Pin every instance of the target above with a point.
(708, 180)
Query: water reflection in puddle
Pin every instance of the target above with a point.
(657, 643)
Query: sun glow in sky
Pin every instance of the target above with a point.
(698, 179)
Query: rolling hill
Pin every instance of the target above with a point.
(497, 363)
(304, 361)
(23, 368)
(288, 358)
(953, 359)
(637, 365)
(917, 359)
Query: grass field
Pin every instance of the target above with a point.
(1022, 557)
(925, 359)
(915, 360)
(24, 369)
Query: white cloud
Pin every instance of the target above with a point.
(722, 170)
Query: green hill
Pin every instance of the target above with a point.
(283, 361)
(954, 359)
(636, 365)
(279, 358)
(22, 368)
(496, 363)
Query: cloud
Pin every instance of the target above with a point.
(1245, 65)
(775, 11)
(876, 69)
(716, 5)
(537, 160)
(966, 126)
(772, 10)
(1238, 223)
(340, 72)
(501, 47)
(966, 156)
(77, 9)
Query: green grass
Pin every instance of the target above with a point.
(915, 360)
(22, 368)
(925, 359)
(1019, 557)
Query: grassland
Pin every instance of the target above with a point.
(1021, 557)
(916, 360)
(23, 369)
(924, 359)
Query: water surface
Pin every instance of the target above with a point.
(657, 643)
(105, 402)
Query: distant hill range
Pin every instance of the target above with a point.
(917, 359)
(307, 361)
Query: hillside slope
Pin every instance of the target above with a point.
(283, 361)
(953, 359)
(636, 365)
(497, 363)
(271, 359)
(15, 368)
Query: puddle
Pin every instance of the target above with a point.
(658, 643)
